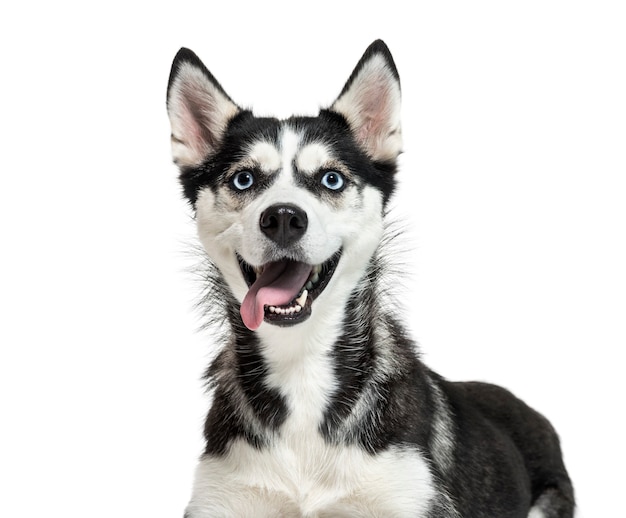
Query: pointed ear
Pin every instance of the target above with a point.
(370, 102)
(198, 108)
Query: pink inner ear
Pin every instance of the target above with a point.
(192, 132)
(194, 109)
(375, 110)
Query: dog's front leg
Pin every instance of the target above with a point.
(241, 502)
(223, 490)
(244, 504)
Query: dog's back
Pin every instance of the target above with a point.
(508, 449)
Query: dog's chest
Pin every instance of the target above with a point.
(300, 473)
(305, 477)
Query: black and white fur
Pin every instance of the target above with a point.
(321, 405)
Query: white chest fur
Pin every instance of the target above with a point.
(311, 479)
(300, 474)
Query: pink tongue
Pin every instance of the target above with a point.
(278, 285)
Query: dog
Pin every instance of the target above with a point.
(321, 406)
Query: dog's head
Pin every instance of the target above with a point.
(291, 210)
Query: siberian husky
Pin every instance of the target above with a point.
(321, 406)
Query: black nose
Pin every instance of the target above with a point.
(284, 224)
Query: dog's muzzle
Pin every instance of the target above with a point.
(282, 291)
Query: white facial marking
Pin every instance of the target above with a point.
(266, 156)
(312, 157)
(289, 143)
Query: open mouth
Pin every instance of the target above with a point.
(282, 292)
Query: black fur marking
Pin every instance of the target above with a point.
(242, 130)
(398, 397)
(243, 406)
(332, 129)
(328, 128)
(506, 453)
(500, 434)
(245, 372)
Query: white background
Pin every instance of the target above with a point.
(513, 182)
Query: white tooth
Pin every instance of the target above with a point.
(317, 268)
(272, 309)
(301, 300)
(308, 285)
(315, 278)
(298, 309)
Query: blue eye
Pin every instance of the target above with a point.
(333, 180)
(242, 180)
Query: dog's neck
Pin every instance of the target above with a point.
(311, 364)
(322, 376)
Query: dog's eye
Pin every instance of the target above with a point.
(242, 180)
(333, 180)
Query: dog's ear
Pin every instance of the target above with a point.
(370, 102)
(198, 108)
